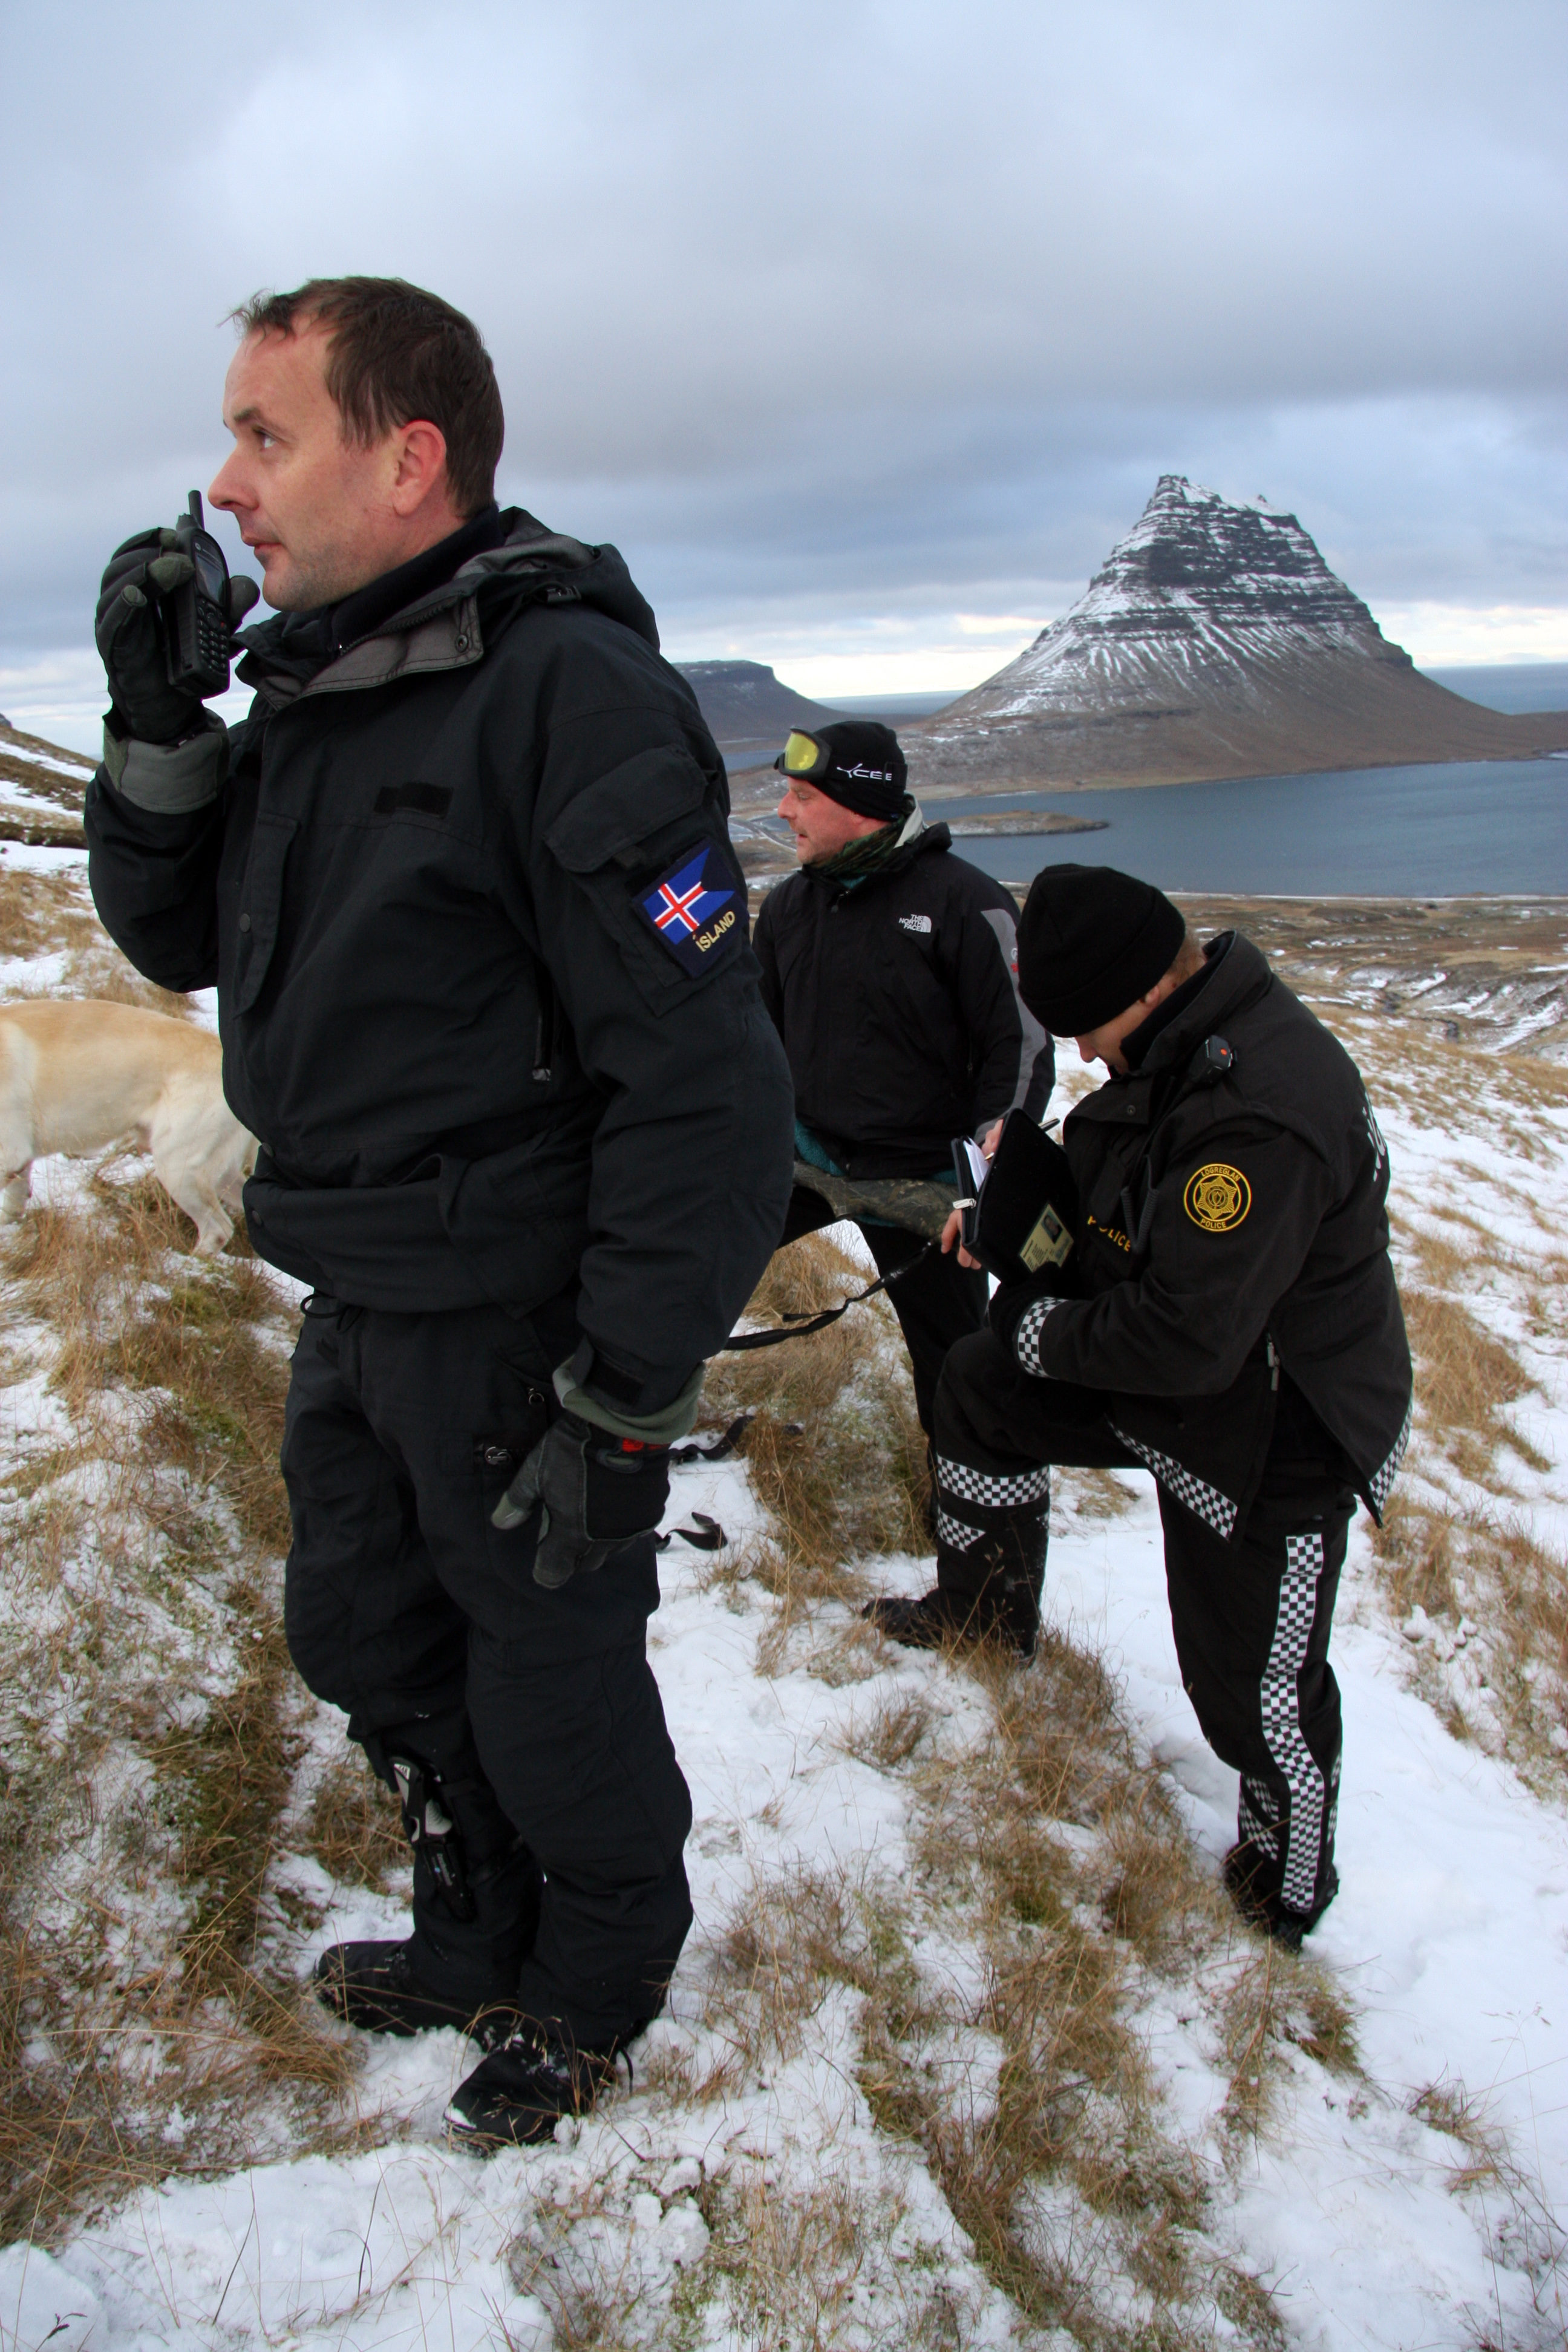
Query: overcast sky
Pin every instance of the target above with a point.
(863, 329)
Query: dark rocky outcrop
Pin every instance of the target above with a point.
(744, 703)
(1215, 641)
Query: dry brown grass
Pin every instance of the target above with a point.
(1484, 1601)
(835, 1453)
(1482, 1596)
(1467, 1378)
(352, 1827)
(1051, 1852)
(51, 915)
(153, 1727)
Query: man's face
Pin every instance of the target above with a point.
(821, 825)
(1104, 1044)
(316, 508)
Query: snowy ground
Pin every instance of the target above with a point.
(1449, 1939)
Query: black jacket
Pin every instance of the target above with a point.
(482, 1052)
(1232, 1224)
(897, 999)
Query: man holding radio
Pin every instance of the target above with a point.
(463, 880)
(1227, 1319)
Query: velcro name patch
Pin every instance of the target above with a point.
(697, 918)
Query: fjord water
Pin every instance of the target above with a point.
(1493, 826)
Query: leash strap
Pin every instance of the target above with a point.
(800, 1326)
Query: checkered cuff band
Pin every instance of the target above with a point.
(993, 1492)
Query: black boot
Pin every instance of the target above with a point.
(519, 2092)
(476, 1896)
(941, 1619)
(1252, 1882)
(991, 1531)
(376, 1988)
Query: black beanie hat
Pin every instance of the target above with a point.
(1091, 941)
(856, 761)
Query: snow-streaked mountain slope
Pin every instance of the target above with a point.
(41, 788)
(1214, 641)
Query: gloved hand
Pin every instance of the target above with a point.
(1012, 1302)
(598, 1493)
(131, 640)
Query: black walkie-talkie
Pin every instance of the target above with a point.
(197, 627)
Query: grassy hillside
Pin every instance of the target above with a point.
(966, 2047)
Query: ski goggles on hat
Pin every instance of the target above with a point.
(804, 757)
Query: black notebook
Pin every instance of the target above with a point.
(1025, 1203)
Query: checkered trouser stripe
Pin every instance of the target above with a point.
(1380, 1485)
(992, 1492)
(1258, 1815)
(1217, 1509)
(1282, 1723)
(956, 1533)
(1026, 1338)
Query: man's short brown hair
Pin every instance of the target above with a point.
(1189, 957)
(397, 353)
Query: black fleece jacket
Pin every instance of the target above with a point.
(897, 998)
(485, 1060)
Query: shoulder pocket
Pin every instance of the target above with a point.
(614, 817)
(656, 865)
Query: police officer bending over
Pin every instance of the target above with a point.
(524, 1130)
(888, 968)
(1235, 1330)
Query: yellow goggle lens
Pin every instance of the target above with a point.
(800, 755)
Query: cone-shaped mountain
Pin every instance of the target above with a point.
(1214, 641)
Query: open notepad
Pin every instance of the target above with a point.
(1023, 1203)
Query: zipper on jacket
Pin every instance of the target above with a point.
(544, 1029)
(1273, 1361)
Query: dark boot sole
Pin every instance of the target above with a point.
(521, 2131)
(902, 1622)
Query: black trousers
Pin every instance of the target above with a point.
(939, 1302)
(1251, 1617)
(536, 1712)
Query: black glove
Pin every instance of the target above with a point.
(131, 637)
(1011, 1302)
(599, 1493)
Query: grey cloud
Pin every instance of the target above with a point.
(851, 306)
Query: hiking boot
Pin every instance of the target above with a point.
(374, 1987)
(1245, 1874)
(519, 2092)
(940, 1619)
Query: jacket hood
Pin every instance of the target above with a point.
(532, 564)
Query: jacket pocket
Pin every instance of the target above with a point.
(612, 818)
(260, 905)
(624, 839)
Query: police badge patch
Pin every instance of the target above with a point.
(699, 923)
(1217, 1198)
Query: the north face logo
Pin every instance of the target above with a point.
(914, 922)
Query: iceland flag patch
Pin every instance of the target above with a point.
(698, 923)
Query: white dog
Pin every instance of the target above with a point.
(78, 1074)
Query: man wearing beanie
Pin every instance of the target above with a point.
(1227, 1319)
(889, 969)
